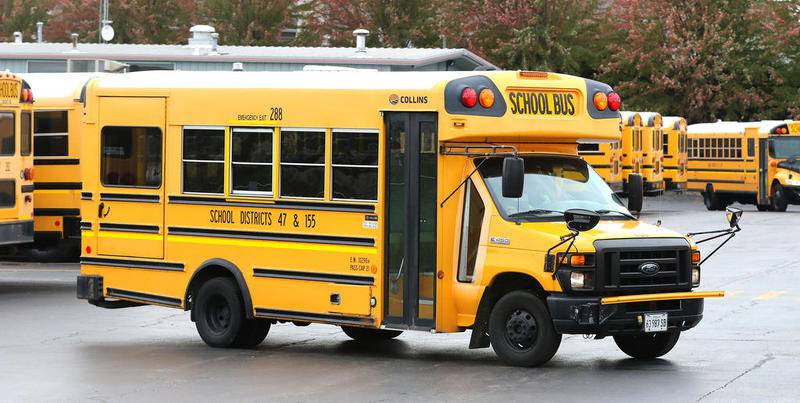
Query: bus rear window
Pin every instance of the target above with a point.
(26, 132)
(50, 131)
(6, 133)
(131, 156)
(8, 194)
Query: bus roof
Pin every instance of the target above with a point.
(672, 122)
(629, 118)
(356, 79)
(649, 118)
(764, 126)
(62, 86)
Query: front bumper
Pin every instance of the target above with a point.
(623, 315)
(653, 186)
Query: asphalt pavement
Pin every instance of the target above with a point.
(54, 347)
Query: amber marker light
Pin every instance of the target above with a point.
(486, 98)
(696, 256)
(600, 101)
(577, 260)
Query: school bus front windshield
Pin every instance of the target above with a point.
(553, 184)
(784, 147)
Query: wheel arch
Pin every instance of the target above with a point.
(213, 268)
(500, 285)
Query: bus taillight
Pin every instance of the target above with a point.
(614, 101)
(469, 98)
(600, 101)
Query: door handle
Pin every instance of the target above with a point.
(102, 211)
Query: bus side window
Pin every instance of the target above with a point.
(354, 165)
(7, 130)
(751, 148)
(302, 163)
(738, 148)
(26, 134)
(131, 156)
(470, 233)
(50, 133)
(203, 160)
(251, 161)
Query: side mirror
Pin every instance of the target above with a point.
(581, 220)
(635, 193)
(513, 177)
(734, 215)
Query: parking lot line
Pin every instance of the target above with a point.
(769, 295)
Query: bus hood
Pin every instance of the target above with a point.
(791, 164)
(540, 236)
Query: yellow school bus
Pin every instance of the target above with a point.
(631, 141)
(745, 162)
(606, 159)
(57, 119)
(674, 146)
(652, 168)
(16, 162)
(378, 202)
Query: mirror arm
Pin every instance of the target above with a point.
(463, 182)
(731, 233)
(549, 264)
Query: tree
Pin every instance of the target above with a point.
(392, 23)
(21, 15)
(705, 59)
(554, 35)
(250, 22)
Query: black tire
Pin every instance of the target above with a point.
(369, 335)
(253, 332)
(647, 345)
(219, 313)
(65, 250)
(521, 330)
(762, 207)
(778, 200)
(711, 199)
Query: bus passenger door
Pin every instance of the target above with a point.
(131, 213)
(763, 171)
(410, 257)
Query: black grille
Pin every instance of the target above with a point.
(620, 264)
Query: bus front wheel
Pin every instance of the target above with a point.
(647, 345)
(521, 330)
(220, 318)
(778, 201)
(712, 199)
(369, 335)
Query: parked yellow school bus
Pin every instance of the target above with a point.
(652, 153)
(631, 146)
(16, 162)
(57, 119)
(606, 159)
(750, 163)
(378, 202)
(674, 146)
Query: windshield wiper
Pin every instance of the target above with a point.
(604, 212)
(535, 212)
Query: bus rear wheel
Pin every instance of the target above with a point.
(778, 200)
(369, 335)
(647, 345)
(220, 318)
(521, 330)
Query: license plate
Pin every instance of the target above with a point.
(655, 322)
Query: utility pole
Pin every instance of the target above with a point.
(105, 31)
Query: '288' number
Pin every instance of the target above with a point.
(276, 113)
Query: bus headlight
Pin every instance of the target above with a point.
(695, 276)
(580, 280)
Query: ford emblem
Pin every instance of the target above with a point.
(649, 268)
